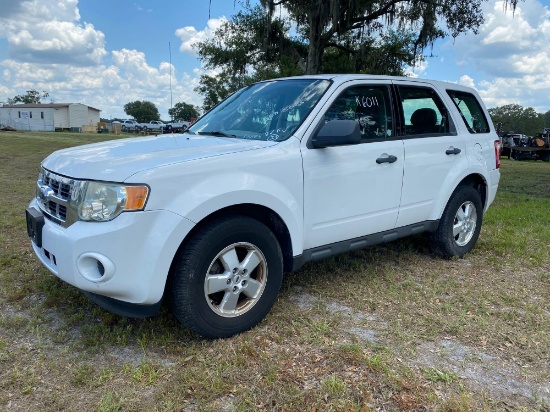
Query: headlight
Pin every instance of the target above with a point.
(105, 201)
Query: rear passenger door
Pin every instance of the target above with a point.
(354, 190)
(433, 151)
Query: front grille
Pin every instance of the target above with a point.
(57, 210)
(53, 195)
(61, 189)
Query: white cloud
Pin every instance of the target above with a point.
(418, 70)
(189, 35)
(29, 12)
(141, 8)
(106, 87)
(512, 52)
(467, 81)
(45, 31)
(50, 49)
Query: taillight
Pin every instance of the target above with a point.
(497, 153)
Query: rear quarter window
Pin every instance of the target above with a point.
(470, 110)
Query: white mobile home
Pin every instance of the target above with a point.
(49, 117)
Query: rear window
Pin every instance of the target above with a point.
(470, 111)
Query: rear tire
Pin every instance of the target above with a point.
(225, 280)
(460, 224)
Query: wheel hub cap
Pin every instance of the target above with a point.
(236, 279)
(465, 223)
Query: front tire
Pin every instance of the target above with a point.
(460, 224)
(225, 280)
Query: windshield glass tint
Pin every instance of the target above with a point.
(270, 110)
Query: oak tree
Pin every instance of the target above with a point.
(142, 111)
(516, 118)
(289, 37)
(183, 111)
(30, 97)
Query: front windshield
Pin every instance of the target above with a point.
(270, 110)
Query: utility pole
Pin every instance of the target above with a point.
(170, 54)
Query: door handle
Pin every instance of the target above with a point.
(453, 150)
(387, 159)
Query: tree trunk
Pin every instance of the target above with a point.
(316, 46)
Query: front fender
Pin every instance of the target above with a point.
(271, 177)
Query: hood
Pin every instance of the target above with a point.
(117, 160)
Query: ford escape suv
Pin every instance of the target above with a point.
(281, 173)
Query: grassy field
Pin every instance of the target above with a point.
(389, 328)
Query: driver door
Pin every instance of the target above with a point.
(354, 190)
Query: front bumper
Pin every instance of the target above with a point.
(127, 259)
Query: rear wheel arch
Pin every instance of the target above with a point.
(461, 221)
(478, 183)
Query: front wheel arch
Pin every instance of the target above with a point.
(267, 216)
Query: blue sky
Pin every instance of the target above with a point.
(107, 53)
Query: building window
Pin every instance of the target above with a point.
(30, 115)
(41, 115)
(19, 113)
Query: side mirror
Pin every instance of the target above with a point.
(337, 133)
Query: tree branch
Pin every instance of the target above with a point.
(378, 13)
(343, 48)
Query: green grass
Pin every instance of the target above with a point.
(388, 328)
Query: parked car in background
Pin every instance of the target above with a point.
(129, 125)
(153, 125)
(177, 126)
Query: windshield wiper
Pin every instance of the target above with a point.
(217, 133)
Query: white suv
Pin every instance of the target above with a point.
(282, 173)
(130, 125)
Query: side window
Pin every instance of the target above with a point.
(470, 110)
(370, 106)
(423, 111)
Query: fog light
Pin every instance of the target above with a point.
(95, 267)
